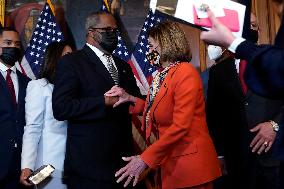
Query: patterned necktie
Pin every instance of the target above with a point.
(112, 70)
(242, 69)
(11, 87)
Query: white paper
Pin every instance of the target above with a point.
(153, 4)
(184, 11)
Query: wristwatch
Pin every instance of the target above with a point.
(274, 125)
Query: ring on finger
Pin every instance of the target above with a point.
(265, 143)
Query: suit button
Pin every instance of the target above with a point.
(17, 121)
(246, 103)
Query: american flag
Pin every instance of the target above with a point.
(141, 67)
(144, 73)
(46, 32)
(121, 51)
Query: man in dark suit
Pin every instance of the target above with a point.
(232, 116)
(242, 125)
(12, 110)
(98, 134)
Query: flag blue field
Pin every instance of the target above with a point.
(45, 32)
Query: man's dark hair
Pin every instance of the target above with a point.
(7, 29)
(94, 18)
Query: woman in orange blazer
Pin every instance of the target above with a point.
(174, 112)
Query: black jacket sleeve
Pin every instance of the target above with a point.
(66, 103)
(265, 71)
(214, 112)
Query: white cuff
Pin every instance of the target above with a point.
(235, 44)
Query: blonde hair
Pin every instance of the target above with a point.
(172, 41)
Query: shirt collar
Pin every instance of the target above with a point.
(4, 68)
(98, 52)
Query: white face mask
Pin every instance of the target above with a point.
(214, 52)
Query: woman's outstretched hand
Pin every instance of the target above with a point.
(132, 170)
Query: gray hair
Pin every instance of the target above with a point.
(94, 19)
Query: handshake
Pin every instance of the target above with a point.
(116, 96)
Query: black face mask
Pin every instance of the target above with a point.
(109, 41)
(10, 55)
(253, 36)
(154, 58)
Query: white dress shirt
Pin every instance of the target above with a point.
(237, 63)
(234, 45)
(14, 77)
(101, 56)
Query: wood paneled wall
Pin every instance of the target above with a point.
(197, 46)
(269, 22)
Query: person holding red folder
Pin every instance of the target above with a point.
(265, 70)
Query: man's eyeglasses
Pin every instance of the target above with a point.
(106, 29)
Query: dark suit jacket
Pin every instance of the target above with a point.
(265, 73)
(230, 115)
(12, 122)
(98, 136)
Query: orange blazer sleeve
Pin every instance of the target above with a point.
(138, 107)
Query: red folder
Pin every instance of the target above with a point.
(231, 20)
